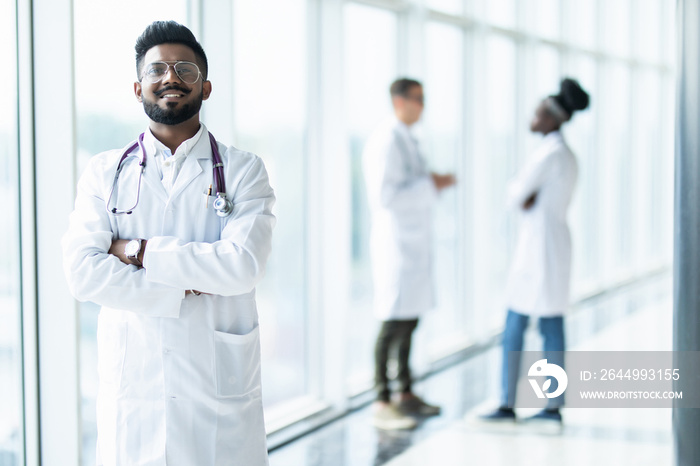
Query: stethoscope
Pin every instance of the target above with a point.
(222, 204)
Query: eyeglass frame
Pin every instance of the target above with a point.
(172, 64)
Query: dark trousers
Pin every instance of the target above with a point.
(393, 334)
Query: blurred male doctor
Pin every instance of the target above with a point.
(401, 193)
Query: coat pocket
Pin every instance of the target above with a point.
(237, 363)
(111, 351)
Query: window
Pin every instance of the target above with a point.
(647, 31)
(614, 172)
(494, 156)
(616, 22)
(443, 149)
(542, 17)
(446, 6)
(581, 22)
(585, 212)
(11, 398)
(269, 115)
(644, 185)
(501, 13)
(369, 44)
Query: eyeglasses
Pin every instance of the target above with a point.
(187, 71)
(416, 98)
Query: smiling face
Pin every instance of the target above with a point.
(171, 101)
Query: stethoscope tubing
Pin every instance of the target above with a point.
(226, 207)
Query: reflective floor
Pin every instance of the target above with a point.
(639, 317)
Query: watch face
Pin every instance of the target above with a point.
(132, 248)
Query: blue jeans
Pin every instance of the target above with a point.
(552, 329)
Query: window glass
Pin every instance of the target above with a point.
(616, 23)
(498, 12)
(647, 33)
(542, 17)
(615, 175)
(269, 92)
(544, 79)
(645, 186)
(369, 44)
(581, 22)
(11, 400)
(668, 38)
(664, 169)
(447, 6)
(581, 136)
(108, 117)
(494, 154)
(443, 150)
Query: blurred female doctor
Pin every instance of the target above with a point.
(538, 283)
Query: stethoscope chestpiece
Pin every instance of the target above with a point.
(222, 205)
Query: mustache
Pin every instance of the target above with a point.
(171, 88)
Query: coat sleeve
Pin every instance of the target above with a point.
(400, 190)
(95, 275)
(235, 263)
(528, 181)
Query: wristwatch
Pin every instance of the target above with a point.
(132, 250)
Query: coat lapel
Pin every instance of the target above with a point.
(152, 180)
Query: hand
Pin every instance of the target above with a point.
(530, 201)
(443, 181)
(117, 249)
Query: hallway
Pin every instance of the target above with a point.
(638, 317)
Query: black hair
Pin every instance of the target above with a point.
(168, 32)
(571, 96)
(401, 86)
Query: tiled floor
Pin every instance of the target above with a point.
(638, 318)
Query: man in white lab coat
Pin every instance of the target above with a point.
(178, 343)
(538, 283)
(401, 193)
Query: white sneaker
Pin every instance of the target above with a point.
(388, 417)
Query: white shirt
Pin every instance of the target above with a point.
(169, 164)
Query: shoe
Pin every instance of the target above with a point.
(546, 415)
(389, 417)
(502, 414)
(413, 405)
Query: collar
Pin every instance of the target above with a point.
(403, 129)
(153, 146)
(553, 136)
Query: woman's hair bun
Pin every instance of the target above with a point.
(571, 96)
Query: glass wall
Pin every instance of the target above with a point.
(11, 389)
(443, 145)
(269, 110)
(369, 41)
(494, 153)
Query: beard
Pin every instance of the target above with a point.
(172, 115)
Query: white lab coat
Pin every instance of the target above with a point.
(538, 283)
(179, 376)
(401, 196)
